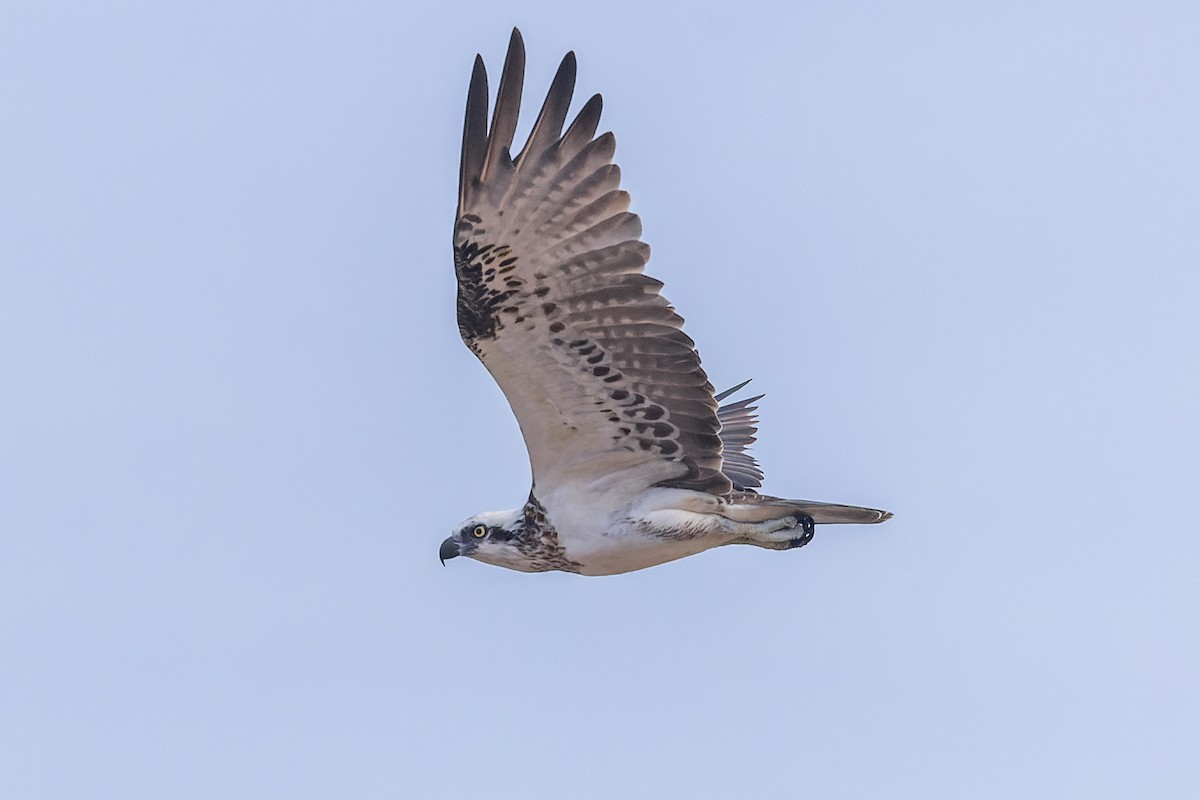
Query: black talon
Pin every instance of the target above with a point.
(805, 523)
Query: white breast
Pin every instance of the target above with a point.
(607, 533)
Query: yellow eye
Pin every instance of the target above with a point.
(479, 532)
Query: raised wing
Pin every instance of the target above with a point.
(607, 388)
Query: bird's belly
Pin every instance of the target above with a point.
(625, 550)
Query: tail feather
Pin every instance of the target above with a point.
(760, 508)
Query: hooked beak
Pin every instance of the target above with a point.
(449, 549)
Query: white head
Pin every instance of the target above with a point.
(490, 537)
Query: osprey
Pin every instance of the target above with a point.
(634, 462)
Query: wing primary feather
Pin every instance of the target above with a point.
(583, 127)
(475, 138)
(728, 392)
(508, 106)
(554, 110)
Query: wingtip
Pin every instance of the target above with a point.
(516, 41)
(514, 60)
(730, 391)
(507, 109)
(478, 85)
(592, 108)
(568, 68)
(474, 142)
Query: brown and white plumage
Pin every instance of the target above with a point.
(619, 418)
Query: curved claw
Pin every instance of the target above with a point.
(805, 523)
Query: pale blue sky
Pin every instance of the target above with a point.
(955, 244)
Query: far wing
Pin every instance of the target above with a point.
(739, 428)
(552, 298)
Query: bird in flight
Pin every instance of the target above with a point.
(634, 461)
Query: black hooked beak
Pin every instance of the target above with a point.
(449, 549)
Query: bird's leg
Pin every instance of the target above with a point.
(785, 533)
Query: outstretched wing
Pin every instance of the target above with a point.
(607, 388)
